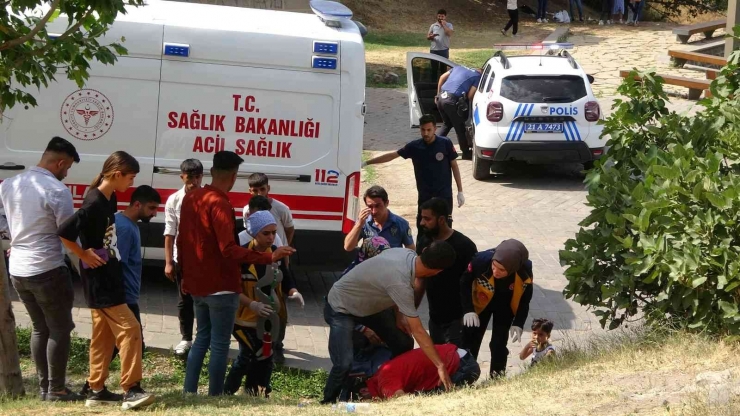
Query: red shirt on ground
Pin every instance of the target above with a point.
(207, 250)
(412, 372)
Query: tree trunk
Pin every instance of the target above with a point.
(11, 379)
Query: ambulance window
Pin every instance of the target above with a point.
(483, 77)
(543, 89)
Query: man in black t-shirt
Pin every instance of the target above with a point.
(434, 158)
(443, 290)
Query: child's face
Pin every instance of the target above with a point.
(260, 190)
(540, 336)
(266, 237)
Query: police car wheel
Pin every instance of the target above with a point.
(481, 168)
(588, 165)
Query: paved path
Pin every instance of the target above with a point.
(540, 205)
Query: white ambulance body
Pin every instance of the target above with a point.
(284, 90)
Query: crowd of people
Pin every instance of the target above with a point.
(238, 283)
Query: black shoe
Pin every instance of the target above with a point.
(42, 396)
(102, 398)
(136, 397)
(86, 389)
(66, 396)
(467, 155)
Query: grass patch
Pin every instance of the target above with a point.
(473, 58)
(369, 174)
(636, 371)
(383, 40)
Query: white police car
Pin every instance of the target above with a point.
(532, 108)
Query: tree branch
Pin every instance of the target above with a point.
(30, 35)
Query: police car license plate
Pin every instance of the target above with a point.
(543, 127)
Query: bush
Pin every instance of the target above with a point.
(662, 237)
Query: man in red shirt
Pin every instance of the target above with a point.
(210, 259)
(413, 372)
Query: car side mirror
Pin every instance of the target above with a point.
(361, 27)
(590, 78)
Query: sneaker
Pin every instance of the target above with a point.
(66, 396)
(86, 389)
(42, 396)
(514, 36)
(601, 23)
(102, 398)
(539, 20)
(183, 347)
(544, 21)
(136, 397)
(503, 32)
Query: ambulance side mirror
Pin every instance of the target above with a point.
(363, 29)
(590, 78)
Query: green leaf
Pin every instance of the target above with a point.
(696, 282)
(54, 16)
(717, 200)
(665, 172)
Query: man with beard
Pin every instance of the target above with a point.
(434, 159)
(143, 207)
(445, 308)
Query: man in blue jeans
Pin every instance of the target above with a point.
(367, 294)
(579, 5)
(34, 204)
(210, 259)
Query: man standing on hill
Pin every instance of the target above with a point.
(440, 33)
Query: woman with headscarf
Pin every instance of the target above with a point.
(498, 285)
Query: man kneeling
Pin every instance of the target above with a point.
(413, 372)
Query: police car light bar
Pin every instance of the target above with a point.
(331, 12)
(532, 46)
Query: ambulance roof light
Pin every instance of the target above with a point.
(332, 13)
(533, 46)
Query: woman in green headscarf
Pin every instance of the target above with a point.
(498, 285)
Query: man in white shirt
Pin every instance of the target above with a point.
(34, 204)
(191, 173)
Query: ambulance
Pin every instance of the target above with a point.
(285, 91)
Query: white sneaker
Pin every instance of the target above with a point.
(544, 20)
(601, 23)
(514, 36)
(539, 20)
(621, 22)
(183, 347)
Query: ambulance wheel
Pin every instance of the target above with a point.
(481, 168)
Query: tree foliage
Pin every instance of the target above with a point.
(662, 237)
(30, 56)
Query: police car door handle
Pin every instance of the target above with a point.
(11, 166)
(163, 170)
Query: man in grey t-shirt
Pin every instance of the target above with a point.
(439, 34)
(366, 294)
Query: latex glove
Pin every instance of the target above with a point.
(460, 199)
(261, 309)
(515, 333)
(297, 296)
(471, 320)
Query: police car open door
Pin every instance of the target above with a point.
(423, 71)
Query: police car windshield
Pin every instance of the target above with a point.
(543, 89)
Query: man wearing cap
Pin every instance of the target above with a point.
(456, 84)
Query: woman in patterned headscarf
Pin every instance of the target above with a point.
(498, 285)
(371, 247)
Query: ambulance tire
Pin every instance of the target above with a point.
(481, 168)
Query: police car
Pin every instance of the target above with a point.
(531, 108)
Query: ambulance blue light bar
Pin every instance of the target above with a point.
(532, 46)
(177, 49)
(320, 62)
(331, 13)
(328, 48)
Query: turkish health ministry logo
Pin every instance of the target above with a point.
(87, 114)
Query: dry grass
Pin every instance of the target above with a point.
(631, 373)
